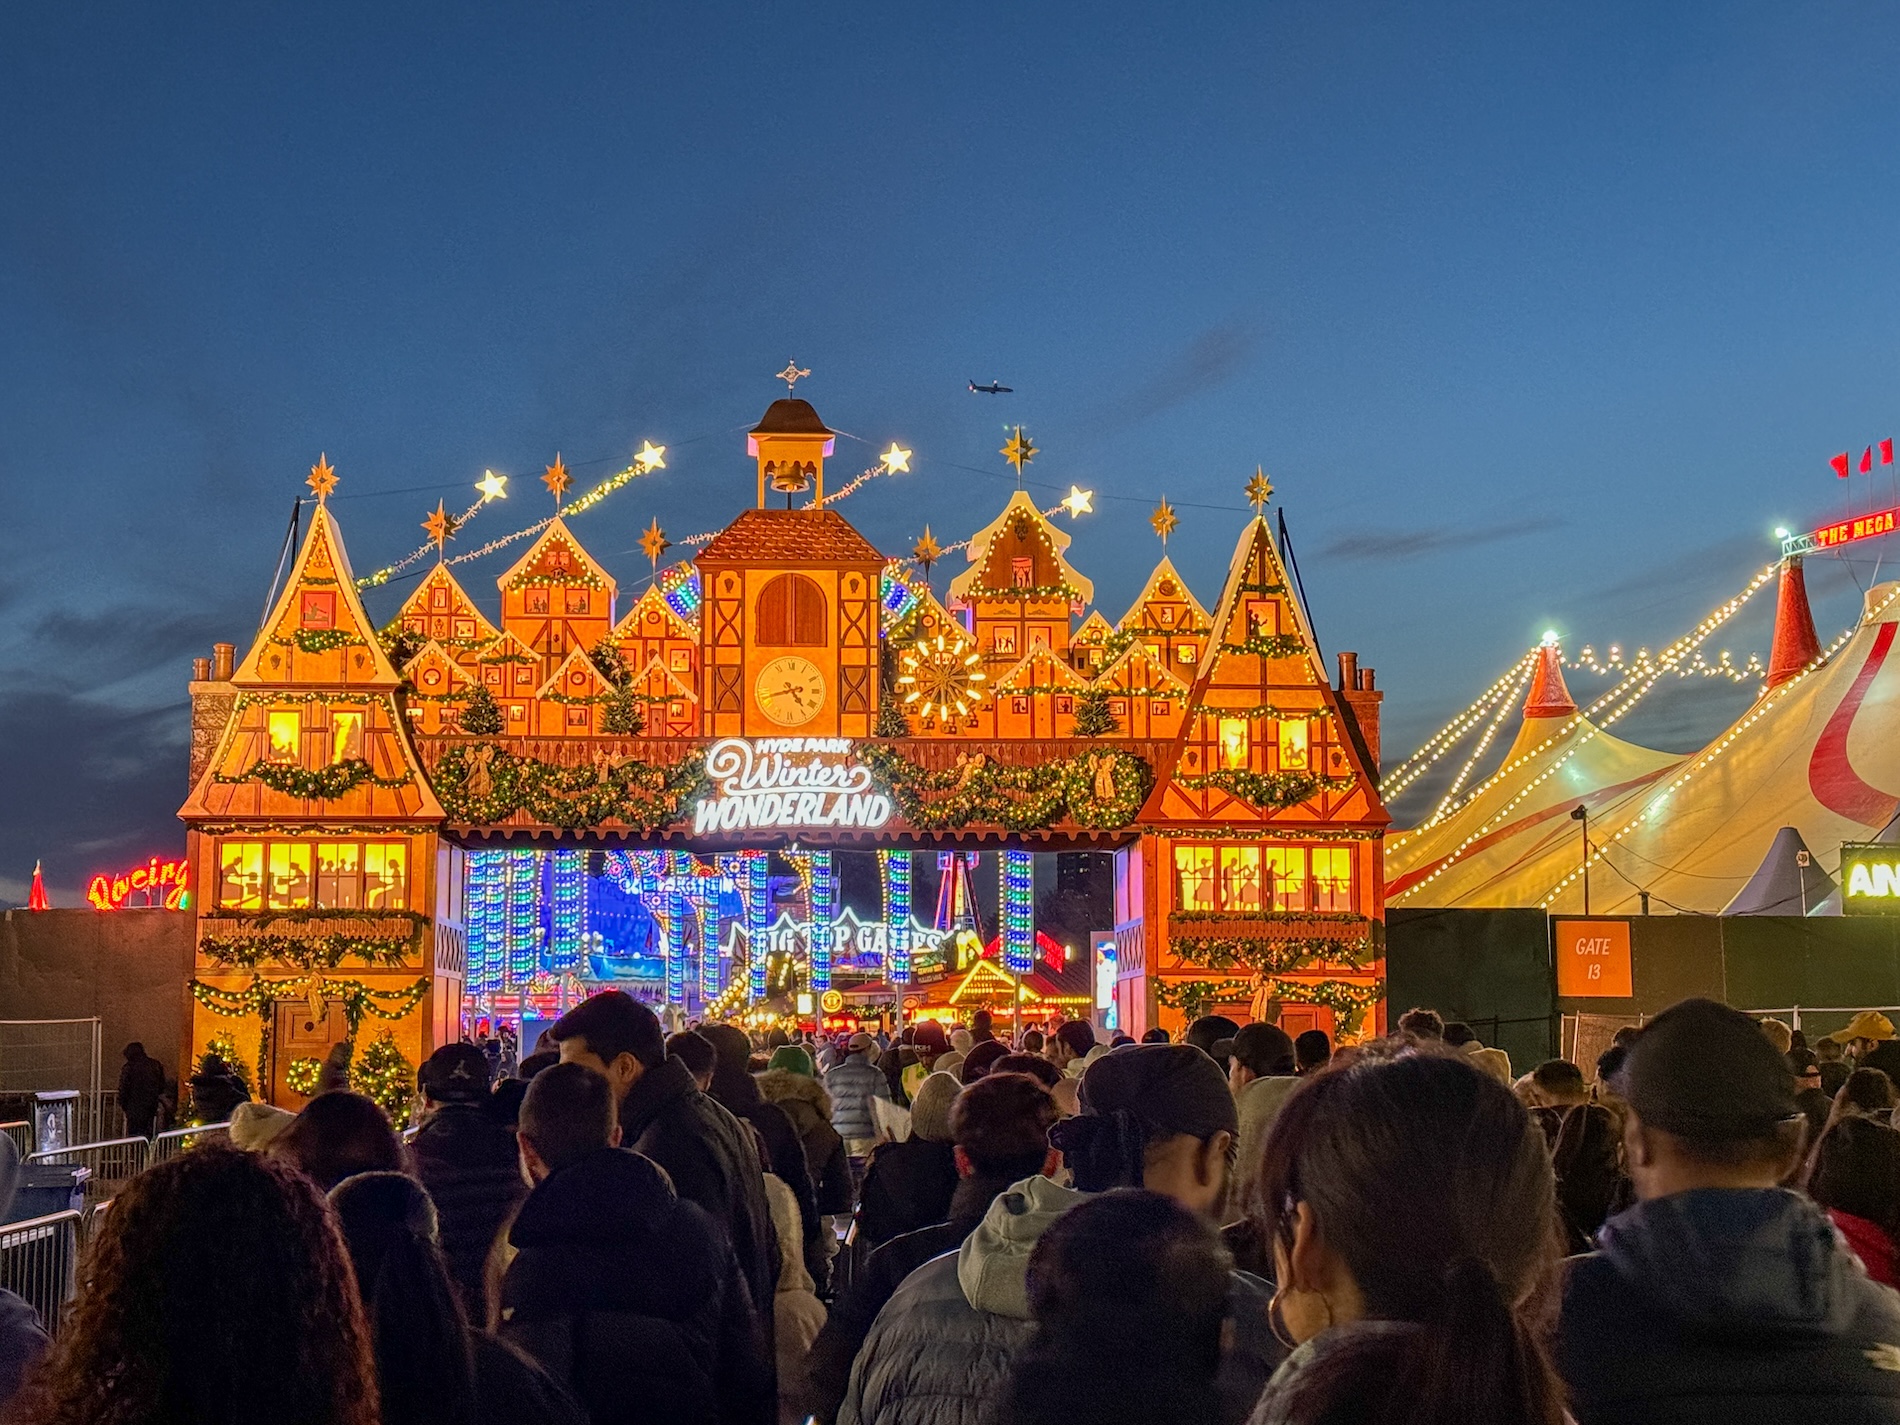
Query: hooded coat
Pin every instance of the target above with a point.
(852, 1086)
(804, 1101)
(1727, 1305)
(633, 1301)
(939, 1352)
(469, 1163)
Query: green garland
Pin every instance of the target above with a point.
(987, 793)
(1267, 790)
(323, 784)
(1266, 954)
(1195, 998)
(1268, 645)
(260, 998)
(639, 794)
(1270, 710)
(319, 952)
(1347, 1001)
(320, 640)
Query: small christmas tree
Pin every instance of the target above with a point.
(891, 721)
(387, 1077)
(482, 716)
(1092, 717)
(622, 715)
(400, 644)
(611, 662)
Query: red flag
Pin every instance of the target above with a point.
(1886, 451)
(1867, 460)
(1840, 464)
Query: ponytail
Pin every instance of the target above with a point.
(1102, 1150)
(1473, 1363)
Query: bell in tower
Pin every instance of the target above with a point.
(791, 443)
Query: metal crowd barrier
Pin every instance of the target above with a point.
(114, 1163)
(21, 1133)
(39, 1259)
(170, 1144)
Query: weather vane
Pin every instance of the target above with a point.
(1163, 520)
(1259, 490)
(792, 375)
(441, 527)
(322, 478)
(1018, 451)
(557, 480)
(654, 543)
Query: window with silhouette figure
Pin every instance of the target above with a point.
(791, 613)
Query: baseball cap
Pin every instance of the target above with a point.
(860, 1042)
(455, 1073)
(1868, 1024)
(1706, 1073)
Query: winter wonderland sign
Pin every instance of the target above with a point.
(788, 783)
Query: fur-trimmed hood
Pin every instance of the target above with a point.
(782, 1086)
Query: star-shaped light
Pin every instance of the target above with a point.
(1018, 451)
(440, 525)
(896, 459)
(1164, 520)
(557, 479)
(654, 542)
(927, 551)
(651, 457)
(1259, 489)
(492, 486)
(1079, 501)
(322, 478)
(792, 375)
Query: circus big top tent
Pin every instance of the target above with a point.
(1818, 752)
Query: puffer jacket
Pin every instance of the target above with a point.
(468, 1161)
(632, 1300)
(852, 1086)
(939, 1352)
(908, 1185)
(1727, 1305)
(805, 1102)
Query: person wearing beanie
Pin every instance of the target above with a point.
(466, 1157)
(977, 1062)
(951, 1063)
(1261, 1074)
(1720, 1296)
(794, 1059)
(962, 1041)
(255, 1126)
(1154, 1116)
(791, 1085)
(852, 1086)
(908, 1185)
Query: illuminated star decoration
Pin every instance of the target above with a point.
(1079, 502)
(1259, 490)
(322, 478)
(792, 375)
(927, 552)
(440, 527)
(1018, 452)
(492, 486)
(654, 543)
(557, 479)
(1163, 520)
(651, 457)
(896, 459)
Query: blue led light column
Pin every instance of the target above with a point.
(487, 923)
(524, 916)
(824, 895)
(676, 912)
(1019, 911)
(567, 901)
(897, 915)
(758, 909)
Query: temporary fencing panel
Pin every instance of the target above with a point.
(114, 1163)
(169, 1145)
(39, 1261)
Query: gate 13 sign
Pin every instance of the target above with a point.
(161, 883)
(1593, 959)
(790, 783)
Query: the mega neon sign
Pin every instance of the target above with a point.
(1845, 532)
(791, 783)
(161, 883)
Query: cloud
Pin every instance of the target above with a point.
(1394, 544)
(1210, 360)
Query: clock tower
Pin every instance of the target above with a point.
(789, 627)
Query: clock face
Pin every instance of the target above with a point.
(790, 690)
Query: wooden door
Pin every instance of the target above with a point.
(296, 1034)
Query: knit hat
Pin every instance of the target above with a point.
(951, 1063)
(962, 1040)
(1705, 1072)
(795, 1058)
(929, 1036)
(930, 1107)
(455, 1073)
(255, 1125)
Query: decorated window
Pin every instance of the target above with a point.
(492, 677)
(679, 660)
(1286, 877)
(241, 875)
(1263, 618)
(1118, 707)
(577, 601)
(516, 713)
(1234, 741)
(386, 875)
(791, 613)
(1019, 705)
(339, 875)
(1166, 615)
(287, 886)
(537, 601)
(1194, 877)
(346, 733)
(1240, 878)
(1158, 708)
(1065, 706)
(1293, 753)
(576, 715)
(285, 730)
(464, 628)
(1038, 640)
(317, 609)
(1332, 878)
(438, 597)
(1154, 651)
(1004, 640)
(1184, 653)
(1022, 572)
(524, 676)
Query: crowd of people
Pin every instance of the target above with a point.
(950, 1228)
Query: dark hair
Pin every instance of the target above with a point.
(135, 1050)
(1422, 1024)
(568, 1113)
(693, 1050)
(1586, 1158)
(982, 1022)
(504, 1104)
(613, 1023)
(1207, 1031)
(1458, 1034)
(1134, 1100)
(1264, 1049)
(1610, 1062)
(1129, 1293)
(1002, 1123)
(1869, 1091)
(1801, 1061)
(1312, 1049)
(216, 1247)
(338, 1135)
(1817, 1107)
(1834, 1073)
(1034, 1065)
(1428, 1178)
(1076, 1035)
(424, 1364)
(1857, 1171)
(537, 1061)
(1558, 1076)
(1627, 1035)
(1156, 1035)
(981, 1057)
(1033, 1041)
(732, 1081)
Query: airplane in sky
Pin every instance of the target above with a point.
(995, 388)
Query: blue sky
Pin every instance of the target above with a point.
(1539, 316)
